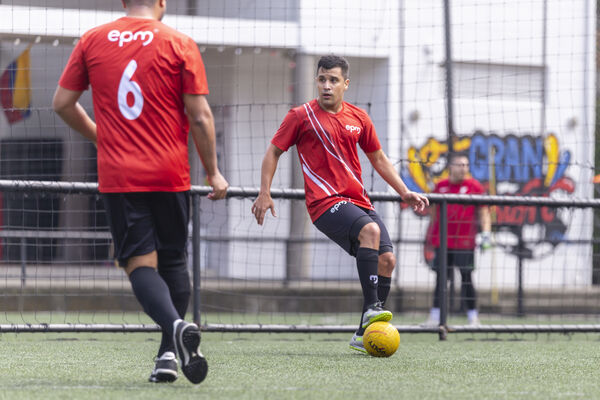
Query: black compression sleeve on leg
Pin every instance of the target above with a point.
(153, 294)
(173, 269)
(383, 288)
(468, 288)
(366, 263)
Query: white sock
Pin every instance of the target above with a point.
(434, 314)
(472, 315)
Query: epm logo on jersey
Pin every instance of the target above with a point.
(353, 129)
(127, 36)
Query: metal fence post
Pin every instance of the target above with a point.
(443, 269)
(23, 254)
(196, 257)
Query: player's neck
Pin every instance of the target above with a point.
(332, 109)
(141, 12)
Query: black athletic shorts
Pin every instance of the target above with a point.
(343, 222)
(456, 258)
(142, 222)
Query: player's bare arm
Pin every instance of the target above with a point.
(264, 201)
(65, 104)
(202, 128)
(485, 219)
(384, 167)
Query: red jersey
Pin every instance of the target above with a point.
(462, 219)
(326, 145)
(139, 70)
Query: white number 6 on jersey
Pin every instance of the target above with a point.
(128, 86)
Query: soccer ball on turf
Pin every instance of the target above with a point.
(381, 339)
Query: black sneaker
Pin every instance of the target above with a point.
(187, 339)
(165, 369)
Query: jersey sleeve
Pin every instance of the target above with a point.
(194, 74)
(287, 134)
(75, 75)
(476, 187)
(368, 140)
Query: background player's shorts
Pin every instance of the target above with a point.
(142, 222)
(460, 258)
(343, 222)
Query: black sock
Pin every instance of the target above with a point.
(178, 280)
(366, 263)
(383, 288)
(153, 294)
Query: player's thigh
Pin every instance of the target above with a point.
(342, 224)
(131, 224)
(385, 243)
(463, 259)
(171, 212)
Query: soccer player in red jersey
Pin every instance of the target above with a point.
(326, 132)
(148, 89)
(462, 229)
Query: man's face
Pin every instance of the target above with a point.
(331, 86)
(459, 168)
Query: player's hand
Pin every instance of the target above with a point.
(263, 203)
(219, 185)
(486, 240)
(417, 201)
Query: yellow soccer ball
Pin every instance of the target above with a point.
(381, 339)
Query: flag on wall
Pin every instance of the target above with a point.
(15, 88)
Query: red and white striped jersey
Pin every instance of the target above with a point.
(326, 145)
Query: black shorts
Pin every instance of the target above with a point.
(343, 222)
(462, 259)
(142, 222)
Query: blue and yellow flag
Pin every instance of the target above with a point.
(15, 88)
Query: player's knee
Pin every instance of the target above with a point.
(145, 260)
(369, 233)
(387, 263)
(171, 259)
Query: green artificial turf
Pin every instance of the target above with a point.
(304, 366)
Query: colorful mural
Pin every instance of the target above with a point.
(505, 165)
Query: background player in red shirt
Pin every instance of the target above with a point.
(462, 229)
(148, 88)
(326, 132)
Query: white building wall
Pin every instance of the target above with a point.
(396, 51)
(510, 33)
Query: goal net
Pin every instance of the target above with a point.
(509, 83)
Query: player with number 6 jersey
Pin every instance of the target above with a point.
(148, 89)
(138, 69)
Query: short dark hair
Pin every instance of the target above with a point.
(331, 61)
(148, 3)
(454, 155)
